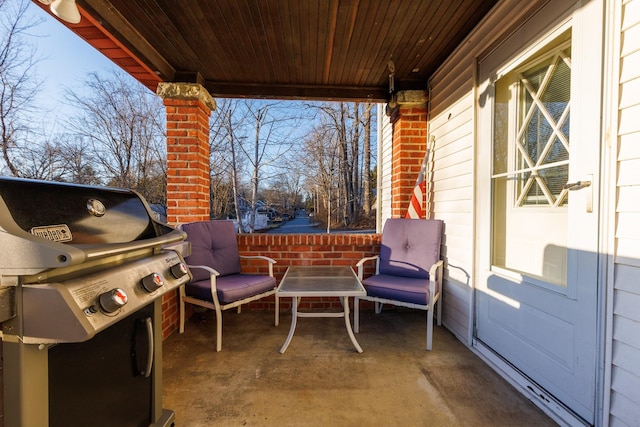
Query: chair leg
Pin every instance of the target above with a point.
(430, 327)
(277, 319)
(356, 315)
(378, 306)
(439, 310)
(218, 329)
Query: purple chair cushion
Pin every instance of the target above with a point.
(214, 244)
(231, 288)
(410, 247)
(398, 288)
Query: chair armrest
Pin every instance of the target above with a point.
(364, 260)
(271, 261)
(266, 258)
(212, 272)
(435, 275)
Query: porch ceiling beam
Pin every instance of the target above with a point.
(329, 93)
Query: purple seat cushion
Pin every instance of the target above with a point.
(410, 247)
(231, 288)
(214, 244)
(398, 288)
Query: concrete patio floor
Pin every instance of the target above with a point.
(322, 381)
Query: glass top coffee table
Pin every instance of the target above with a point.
(320, 281)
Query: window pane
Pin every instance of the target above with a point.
(544, 129)
(531, 125)
(501, 127)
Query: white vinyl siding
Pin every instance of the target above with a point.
(453, 203)
(452, 101)
(625, 350)
(385, 163)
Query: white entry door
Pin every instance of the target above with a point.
(538, 157)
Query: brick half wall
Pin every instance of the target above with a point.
(288, 250)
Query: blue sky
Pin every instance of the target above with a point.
(66, 60)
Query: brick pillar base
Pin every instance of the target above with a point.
(409, 121)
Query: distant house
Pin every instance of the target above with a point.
(261, 219)
(160, 211)
(536, 174)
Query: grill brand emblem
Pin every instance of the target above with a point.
(55, 233)
(95, 207)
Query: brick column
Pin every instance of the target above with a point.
(188, 107)
(409, 118)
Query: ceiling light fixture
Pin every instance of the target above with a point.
(67, 10)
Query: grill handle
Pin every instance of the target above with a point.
(149, 326)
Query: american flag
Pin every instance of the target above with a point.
(417, 197)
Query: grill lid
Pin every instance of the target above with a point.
(46, 225)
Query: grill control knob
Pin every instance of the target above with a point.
(178, 270)
(112, 300)
(152, 282)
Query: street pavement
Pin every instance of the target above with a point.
(303, 224)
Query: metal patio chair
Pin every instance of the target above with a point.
(408, 270)
(218, 282)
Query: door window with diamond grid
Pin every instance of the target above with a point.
(531, 164)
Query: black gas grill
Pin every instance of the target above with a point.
(82, 270)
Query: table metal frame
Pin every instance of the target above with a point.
(320, 281)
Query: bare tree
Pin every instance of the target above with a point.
(320, 157)
(353, 201)
(123, 123)
(254, 142)
(226, 166)
(78, 161)
(285, 189)
(259, 116)
(273, 125)
(293, 185)
(366, 149)
(223, 196)
(43, 161)
(18, 85)
(344, 122)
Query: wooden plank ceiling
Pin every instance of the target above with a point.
(286, 49)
